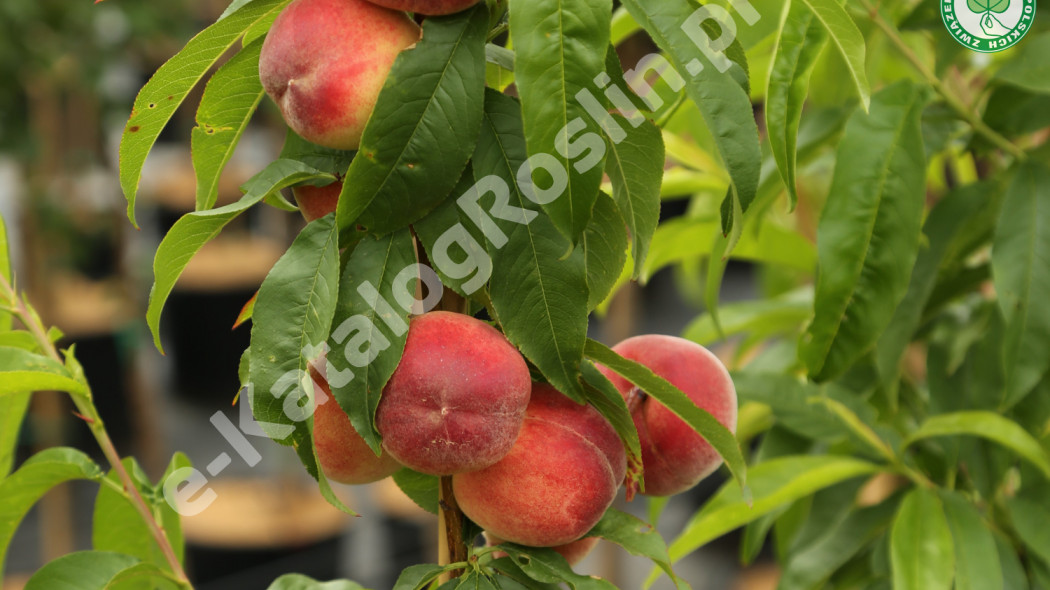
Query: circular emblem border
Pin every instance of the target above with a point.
(982, 45)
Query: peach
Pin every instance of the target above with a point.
(324, 62)
(674, 456)
(428, 7)
(457, 399)
(573, 552)
(317, 201)
(557, 481)
(344, 456)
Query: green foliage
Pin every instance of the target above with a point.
(894, 209)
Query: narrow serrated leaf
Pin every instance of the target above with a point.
(193, 230)
(83, 570)
(868, 236)
(847, 39)
(560, 46)
(635, 166)
(158, 100)
(989, 425)
(922, 554)
(422, 132)
(33, 479)
(977, 564)
(799, 43)
(229, 100)
(677, 28)
(368, 333)
(22, 371)
(1021, 270)
(604, 244)
(539, 295)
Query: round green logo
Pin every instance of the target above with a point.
(988, 25)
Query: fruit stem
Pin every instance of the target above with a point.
(451, 548)
(86, 408)
(953, 101)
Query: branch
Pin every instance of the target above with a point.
(953, 101)
(87, 409)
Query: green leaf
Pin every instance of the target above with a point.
(293, 313)
(560, 46)
(1031, 520)
(604, 245)
(699, 419)
(449, 219)
(538, 294)
(193, 230)
(158, 100)
(860, 429)
(22, 371)
(416, 577)
(118, 526)
(143, 576)
(847, 39)
(725, 106)
(638, 538)
(12, 412)
(635, 166)
(422, 131)
(368, 334)
(922, 554)
(420, 488)
(301, 582)
(810, 567)
(603, 395)
(36, 476)
(943, 224)
(1029, 66)
(546, 566)
(228, 103)
(773, 483)
(987, 425)
(799, 43)
(977, 564)
(322, 158)
(83, 570)
(868, 236)
(758, 318)
(1022, 278)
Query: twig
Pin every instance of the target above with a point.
(949, 97)
(89, 413)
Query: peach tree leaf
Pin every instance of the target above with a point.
(293, 313)
(868, 235)
(638, 538)
(230, 98)
(560, 46)
(158, 100)
(422, 131)
(988, 425)
(33, 479)
(1029, 68)
(604, 245)
(539, 295)
(301, 582)
(773, 483)
(368, 334)
(635, 166)
(548, 567)
(193, 230)
(799, 43)
(848, 41)
(922, 553)
(1022, 277)
(977, 566)
(83, 570)
(723, 103)
(22, 370)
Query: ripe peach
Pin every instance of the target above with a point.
(557, 481)
(324, 62)
(317, 201)
(428, 7)
(573, 552)
(674, 457)
(457, 399)
(345, 457)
